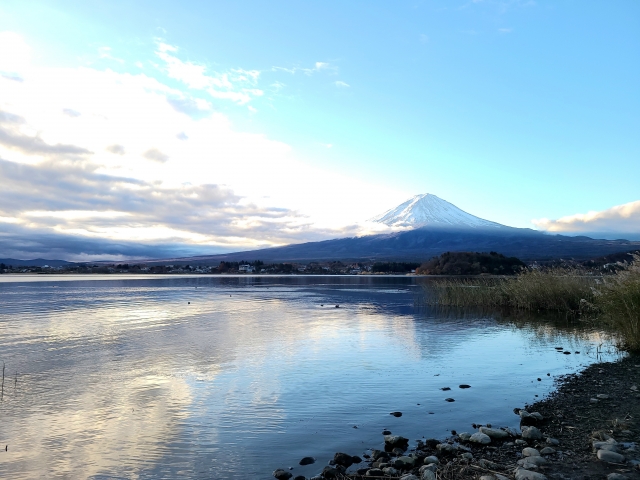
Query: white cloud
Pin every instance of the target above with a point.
(126, 119)
(341, 84)
(621, 219)
(238, 85)
(317, 67)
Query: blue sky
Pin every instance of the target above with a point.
(308, 118)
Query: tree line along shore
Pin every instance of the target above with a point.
(448, 263)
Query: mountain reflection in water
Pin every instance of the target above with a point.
(232, 377)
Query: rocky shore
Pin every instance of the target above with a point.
(588, 428)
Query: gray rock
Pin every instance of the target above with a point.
(500, 477)
(547, 451)
(520, 442)
(531, 433)
(307, 461)
(329, 472)
(530, 452)
(553, 441)
(605, 445)
(527, 418)
(617, 476)
(610, 447)
(409, 476)
(538, 416)
(610, 457)
(537, 461)
(480, 438)
(430, 460)
(432, 466)
(404, 462)
(593, 400)
(487, 477)
(464, 436)
(396, 440)
(467, 456)
(445, 448)
(522, 474)
(602, 396)
(427, 475)
(342, 459)
(375, 472)
(511, 431)
(390, 471)
(281, 474)
(494, 433)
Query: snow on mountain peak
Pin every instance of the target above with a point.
(428, 210)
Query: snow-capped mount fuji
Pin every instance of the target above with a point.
(428, 210)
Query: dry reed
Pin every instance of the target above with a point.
(618, 301)
(561, 290)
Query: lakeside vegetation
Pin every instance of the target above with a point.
(610, 299)
(471, 263)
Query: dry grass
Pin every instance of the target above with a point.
(613, 300)
(618, 301)
(560, 290)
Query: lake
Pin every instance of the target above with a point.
(235, 376)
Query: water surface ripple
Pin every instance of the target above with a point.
(232, 377)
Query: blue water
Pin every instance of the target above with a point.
(233, 377)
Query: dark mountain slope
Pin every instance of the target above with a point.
(425, 243)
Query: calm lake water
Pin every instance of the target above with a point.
(233, 377)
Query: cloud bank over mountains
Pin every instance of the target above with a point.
(621, 221)
(95, 163)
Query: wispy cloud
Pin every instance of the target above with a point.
(317, 67)
(341, 84)
(236, 85)
(621, 219)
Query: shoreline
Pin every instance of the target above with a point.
(587, 428)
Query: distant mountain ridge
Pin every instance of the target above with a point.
(36, 262)
(435, 227)
(428, 210)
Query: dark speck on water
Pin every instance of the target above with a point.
(445, 389)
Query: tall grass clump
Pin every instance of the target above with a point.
(618, 301)
(560, 290)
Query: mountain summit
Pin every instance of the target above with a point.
(428, 210)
